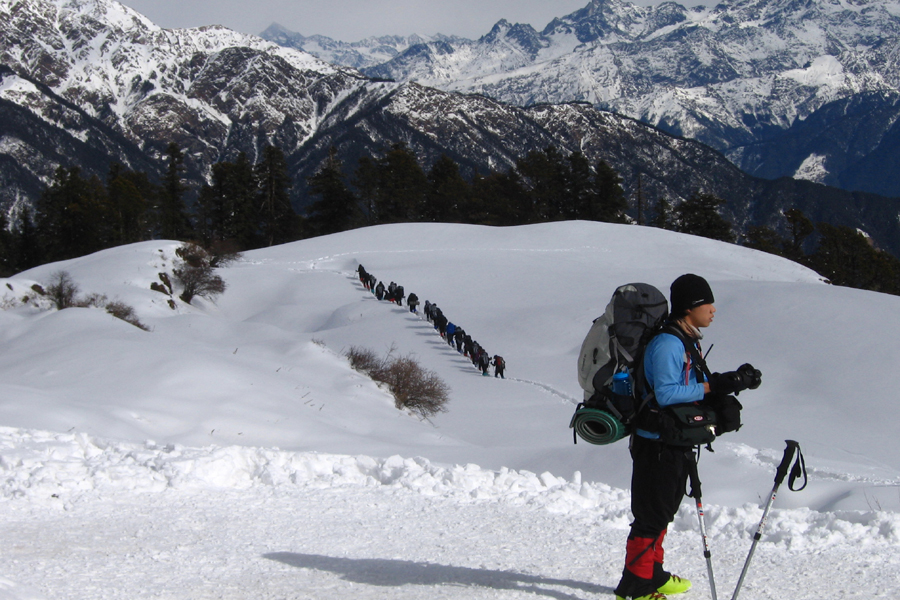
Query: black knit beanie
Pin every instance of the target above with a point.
(687, 292)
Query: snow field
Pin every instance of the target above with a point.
(228, 522)
(231, 452)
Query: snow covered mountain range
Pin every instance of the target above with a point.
(89, 82)
(807, 89)
(86, 65)
(369, 52)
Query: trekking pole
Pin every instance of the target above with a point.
(798, 470)
(696, 495)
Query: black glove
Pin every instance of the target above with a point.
(752, 376)
(733, 382)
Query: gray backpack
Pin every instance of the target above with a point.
(616, 342)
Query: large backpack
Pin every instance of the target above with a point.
(615, 344)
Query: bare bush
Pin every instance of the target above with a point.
(91, 301)
(414, 388)
(62, 290)
(196, 273)
(64, 293)
(120, 310)
(365, 360)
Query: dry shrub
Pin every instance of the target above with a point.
(62, 290)
(120, 310)
(93, 300)
(365, 360)
(413, 387)
(416, 388)
(196, 273)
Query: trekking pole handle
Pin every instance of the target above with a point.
(782, 470)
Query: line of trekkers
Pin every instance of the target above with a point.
(453, 334)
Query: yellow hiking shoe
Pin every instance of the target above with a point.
(675, 585)
(650, 596)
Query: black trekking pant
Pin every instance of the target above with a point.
(658, 481)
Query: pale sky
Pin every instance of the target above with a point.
(353, 20)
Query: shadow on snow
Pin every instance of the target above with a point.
(395, 573)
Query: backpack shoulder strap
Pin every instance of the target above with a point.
(643, 391)
(691, 348)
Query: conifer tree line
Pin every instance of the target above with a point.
(245, 206)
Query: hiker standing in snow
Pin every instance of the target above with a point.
(450, 330)
(440, 321)
(676, 372)
(412, 302)
(458, 338)
(484, 362)
(499, 366)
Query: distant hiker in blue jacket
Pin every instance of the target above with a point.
(450, 330)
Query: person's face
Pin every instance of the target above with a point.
(701, 316)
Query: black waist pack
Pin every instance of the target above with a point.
(691, 424)
(728, 412)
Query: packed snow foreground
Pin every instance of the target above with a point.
(231, 452)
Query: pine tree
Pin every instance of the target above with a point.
(210, 210)
(225, 206)
(365, 180)
(26, 249)
(581, 187)
(242, 221)
(172, 215)
(337, 209)
(402, 187)
(799, 229)
(662, 215)
(545, 176)
(70, 216)
(609, 203)
(7, 261)
(699, 215)
(279, 223)
(498, 199)
(846, 257)
(764, 239)
(128, 200)
(447, 192)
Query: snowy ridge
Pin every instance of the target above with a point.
(231, 452)
(47, 468)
